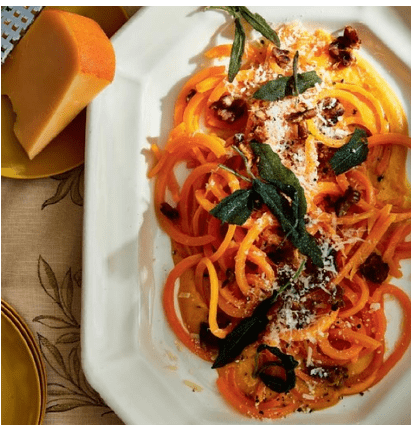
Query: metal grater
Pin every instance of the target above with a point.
(15, 20)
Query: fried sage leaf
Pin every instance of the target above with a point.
(294, 229)
(260, 24)
(295, 74)
(238, 47)
(277, 185)
(235, 208)
(284, 86)
(287, 362)
(236, 53)
(249, 329)
(282, 179)
(351, 154)
(245, 333)
(271, 168)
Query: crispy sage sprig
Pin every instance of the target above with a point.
(238, 47)
(295, 74)
(352, 153)
(287, 362)
(285, 86)
(280, 190)
(259, 24)
(249, 329)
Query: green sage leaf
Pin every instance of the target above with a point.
(306, 243)
(295, 230)
(283, 86)
(235, 208)
(236, 53)
(287, 362)
(260, 24)
(295, 74)
(249, 329)
(351, 154)
(271, 168)
(245, 333)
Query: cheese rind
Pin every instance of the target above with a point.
(58, 67)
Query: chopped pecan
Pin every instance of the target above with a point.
(375, 269)
(349, 198)
(302, 131)
(351, 37)
(230, 277)
(298, 116)
(325, 171)
(281, 57)
(191, 93)
(228, 108)
(341, 48)
(206, 338)
(334, 375)
(236, 139)
(170, 212)
(282, 253)
(332, 109)
(259, 133)
(336, 299)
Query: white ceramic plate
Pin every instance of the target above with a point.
(129, 353)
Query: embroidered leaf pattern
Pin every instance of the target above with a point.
(47, 279)
(70, 337)
(53, 356)
(74, 364)
(66, 293)
(77, 277)
(64, 404)
(53, 322)
(64, 361)
(62, 295)
(57, 389)
(76, 392)
(71, 182)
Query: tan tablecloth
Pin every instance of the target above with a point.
(42, 223)
(41, 252)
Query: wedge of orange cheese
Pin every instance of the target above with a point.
(62, 62)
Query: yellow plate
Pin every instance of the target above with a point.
(66, 151)
(23, 379)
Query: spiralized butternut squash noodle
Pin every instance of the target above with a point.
(290, 227)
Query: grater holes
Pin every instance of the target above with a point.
(15, 22)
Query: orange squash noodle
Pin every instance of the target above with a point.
(331, 320)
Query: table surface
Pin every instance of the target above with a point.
(41, 252)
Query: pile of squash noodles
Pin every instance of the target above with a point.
(332, 331)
